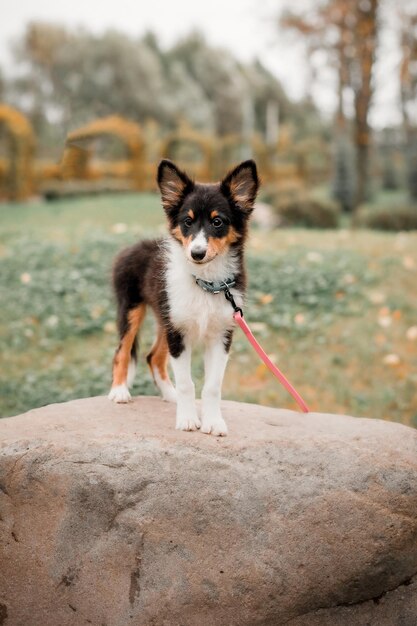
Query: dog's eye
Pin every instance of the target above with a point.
(188, 221)
(217, 222)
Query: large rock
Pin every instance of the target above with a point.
(111, 517)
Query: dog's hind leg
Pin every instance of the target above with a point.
(158, 364)
(129, 321)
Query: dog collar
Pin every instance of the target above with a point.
(213, 286)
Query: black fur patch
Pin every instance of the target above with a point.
(227, 340)
(175, 343)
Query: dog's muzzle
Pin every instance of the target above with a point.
(198, 247)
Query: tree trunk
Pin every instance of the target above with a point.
(342, 183)
(362, 173)
(366, 35)
(407, 93)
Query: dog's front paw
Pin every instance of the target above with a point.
(120, 394)
(188, 423)
(216, 427)
(169, 395)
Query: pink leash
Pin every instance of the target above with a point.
(282, 379)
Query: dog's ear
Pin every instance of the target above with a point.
(241, 185)
(173, 183)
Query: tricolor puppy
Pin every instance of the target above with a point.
(177, 277)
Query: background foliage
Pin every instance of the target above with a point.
(70, 77)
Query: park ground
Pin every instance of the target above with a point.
(336, 310)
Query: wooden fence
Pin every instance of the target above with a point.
(205, 157)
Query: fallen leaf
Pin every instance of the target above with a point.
(96, 311)
(109, 327)
(261, 371)
(52, 321)
(256, 243)
(401, 240)
(349, 279)
(25, 278)
(391, 359)
(119, 228)
(377, 297)
(409, 263)
(343, 234)
(384, 321)
(411, 333)
(314, 257)
(266, 298)
(258, 326)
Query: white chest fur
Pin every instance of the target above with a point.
(198, 314)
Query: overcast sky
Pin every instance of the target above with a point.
(246, 27)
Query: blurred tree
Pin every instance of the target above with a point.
(408, 89)
(387, 145)
(187, 99)
(338, 14)
(346, 31)
(73, 77)
(66, 78)
(219, 76)
(37, 52)
(2, 86)
(326, 28)
(266, 94)
(343, 177)
(365, 28)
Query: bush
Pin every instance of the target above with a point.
(308, 213)
(394, 219)
(285, 191)
(293, 206)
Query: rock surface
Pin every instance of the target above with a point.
(108, 516)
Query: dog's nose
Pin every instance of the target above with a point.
(198, 255)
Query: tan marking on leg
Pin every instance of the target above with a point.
(122, 356)
(158, 356)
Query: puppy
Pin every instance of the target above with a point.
(182, 279)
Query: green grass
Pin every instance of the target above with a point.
(329, 306)
(68, 220)
(388, 198)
